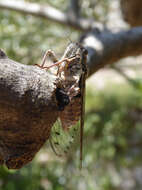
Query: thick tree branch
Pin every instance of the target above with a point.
(27, 111)
(47, 12)
(105, 47)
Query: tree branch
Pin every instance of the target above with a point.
(27, 111)
(47, 12)
(105, 48)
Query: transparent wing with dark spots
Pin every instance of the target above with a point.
(62, 140)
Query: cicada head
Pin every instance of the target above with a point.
(73, 69)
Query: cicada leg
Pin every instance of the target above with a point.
(56, 62)
(68, 60)
(48, 53)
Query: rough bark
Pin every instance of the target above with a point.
(27, 111)
(132, 11)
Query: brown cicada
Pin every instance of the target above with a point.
(71, 73)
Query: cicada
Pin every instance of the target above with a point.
(71, 72)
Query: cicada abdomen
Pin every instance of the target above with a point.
(71, 114)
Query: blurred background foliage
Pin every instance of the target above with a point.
(26, 38)
(113, 122)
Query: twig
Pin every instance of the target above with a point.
(47, 12)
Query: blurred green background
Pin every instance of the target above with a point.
(113, 121)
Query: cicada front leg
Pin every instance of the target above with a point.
(51, 55)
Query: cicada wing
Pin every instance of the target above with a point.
(62, 140)
(82, 117)
(82, 90)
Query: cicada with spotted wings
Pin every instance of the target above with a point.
(71, 72)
